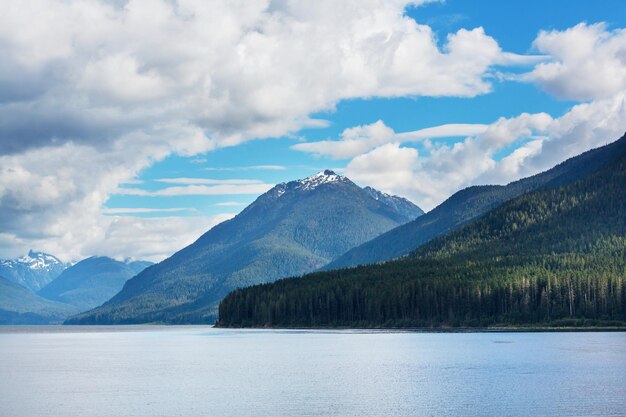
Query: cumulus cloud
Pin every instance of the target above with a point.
(95, 69)
(586, 62)
(92, 92)
(52, 197)
(535, 142)
(387, 167)
(143, 237)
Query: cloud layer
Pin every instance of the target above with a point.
(587, 62)
(531, 143)
(92, 92)
(89, 71)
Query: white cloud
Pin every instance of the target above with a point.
(52, 197)
(587, 62)
(143, 237)
(354, 141)
(536, 142)
(443, 131)
(92, 92)
(115, 236)
(118, 78)
(386, 167)
(59, 208)
(360, 139)
(234, 71)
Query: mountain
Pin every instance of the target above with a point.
(92, 281)
(469, 204)
(294, 228)
(32, 271)
(554, 256)
(19, 305)
(399, 204)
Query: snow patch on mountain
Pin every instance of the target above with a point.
(328, 176)
(322, 177)
(308, 184)
(35, 260)
(33, 270)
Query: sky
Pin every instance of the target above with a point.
(129, 128)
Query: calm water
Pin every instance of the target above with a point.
(200, 371)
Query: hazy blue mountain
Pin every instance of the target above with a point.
(554, 256)
(294, 228)
(92, 281)
(33, 271)
(19, 305)
(468, 204)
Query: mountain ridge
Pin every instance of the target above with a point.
(92, 281)
(468, 204)
(32, 271)
(296, 227)
(552, 256)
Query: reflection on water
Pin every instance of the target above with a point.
(200, 371)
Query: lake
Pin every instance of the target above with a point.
(201, 371)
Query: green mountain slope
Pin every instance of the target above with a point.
(91, 281)
(468, 204)
(555, 256)
(292, 229)
(19, 305)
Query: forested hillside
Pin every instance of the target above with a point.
(469, 204)
(554, 256)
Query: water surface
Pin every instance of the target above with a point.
(200, 371)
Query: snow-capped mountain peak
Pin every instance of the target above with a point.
(307, 184)
(33, 271)
(322, 177)
(327, 176)
(38, 260)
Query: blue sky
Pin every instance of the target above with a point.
(513, 24)
(129, 128)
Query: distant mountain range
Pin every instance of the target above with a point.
(294, 228)
(79, 287)
(32, 271)
(92, 281)
(469, 204)
(554, 256)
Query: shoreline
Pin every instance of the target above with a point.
(498, 329)
(19, 328)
